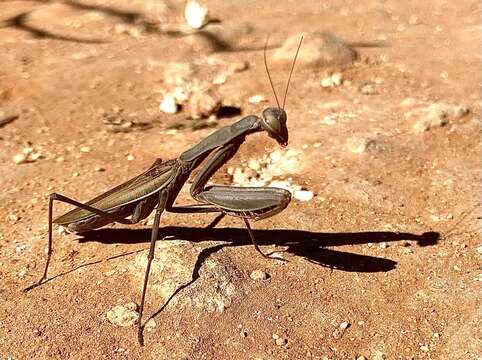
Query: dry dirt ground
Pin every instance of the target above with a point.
(383, 262)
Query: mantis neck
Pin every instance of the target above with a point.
(228, 134)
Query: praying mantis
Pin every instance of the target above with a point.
(156, 189)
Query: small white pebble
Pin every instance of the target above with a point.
(337, 79)
(219, 79)
(130, 157)
(327, 82)
(303, 195)
(254, 164)
(256, 99)
(62, 230)
(383, 245)
(195, 14)
(257, 275)
(20, 248)
(85, 149)
(344, 325)
(168, 104)
(123, 315)
(22, 272)
(281, 341)
(424, 348)
(275, 336)
(171, 132)
(277, 255)
(20, 159)
(13, 217)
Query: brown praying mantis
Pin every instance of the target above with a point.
(158, 187)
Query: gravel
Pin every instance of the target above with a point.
(258, 275)
(123, 315)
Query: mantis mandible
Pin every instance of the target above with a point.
(158, 187)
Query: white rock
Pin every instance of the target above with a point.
(303, 195)
(344, 325)
(254, 164)
(196, 14)
(123, 315)
(168, 104)
(20, 158)
(257, 275)
(281, 341)
(239, 177)
(275, 155)
(327, 82)
(256, 182)
(22, 272)
(256, 99)
(180, 94)
(219, 79)
(437, 115)
(358, 145)
(336, 79)
(219, 284)
(424, 348)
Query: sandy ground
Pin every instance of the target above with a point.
(383, 262)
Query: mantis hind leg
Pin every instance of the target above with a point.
(58, 197)
(155, 229)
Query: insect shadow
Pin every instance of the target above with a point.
(313, 246)
(21, 22)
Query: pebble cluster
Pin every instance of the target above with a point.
(272, 170)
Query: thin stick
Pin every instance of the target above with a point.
(267, 70)
(291, 72)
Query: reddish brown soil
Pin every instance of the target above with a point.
(356, 251)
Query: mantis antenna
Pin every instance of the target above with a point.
(267, 70)
(291, 72)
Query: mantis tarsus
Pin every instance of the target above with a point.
(158, 187)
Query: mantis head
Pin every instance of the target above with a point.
(273, 120)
